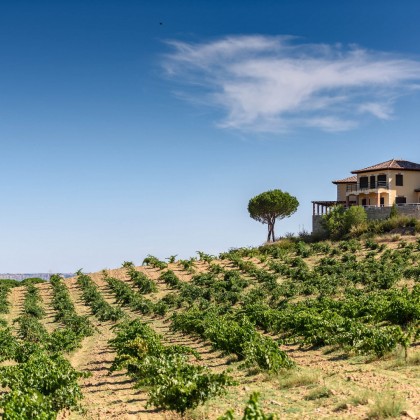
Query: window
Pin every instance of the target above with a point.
(364, 202)
(382, 181)
(400, 200)
(372, 181)
(364, 182)
(399, 180)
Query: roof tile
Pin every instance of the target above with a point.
(394, 164)
(348, 180)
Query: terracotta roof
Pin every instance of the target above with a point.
(394, 164)
(348, 180)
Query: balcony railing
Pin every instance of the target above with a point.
(370, 186)
(415, 206)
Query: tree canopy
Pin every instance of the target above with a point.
(339, 221)
(271, 205)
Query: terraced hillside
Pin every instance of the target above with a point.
(321, 330)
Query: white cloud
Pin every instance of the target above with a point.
(380, 110)
(276, 84)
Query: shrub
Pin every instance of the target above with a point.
(354, 217)
(387, 405)
(339, 221)
(394, 211)
(317, 393)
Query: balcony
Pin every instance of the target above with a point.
(367, 187)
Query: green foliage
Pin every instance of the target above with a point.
(32, 302)
(126, 296)
(303, 249)
(355, 216)
(127, 264)
(93, 298)
(30, 329)
(42, 383)
(63, 340)
(8, 344)
(390, 224)
(205, 257)
(188, 265)
(271, 205)
(10, 283)
(237, 337)
(388, 405)
(65, 311)
(39, 387)
(143, 282)
(18, 283)
(154, 262)
(179, 386)
(171, 259)
(339, 221)
(170, 278)
(252, 411)
(394, 211)
(173, 383)
(4, 303)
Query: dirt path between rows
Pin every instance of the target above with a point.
(106, 396)
(16, 298)
(46, 294)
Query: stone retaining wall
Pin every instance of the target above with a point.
(373, 213)
(316, 225)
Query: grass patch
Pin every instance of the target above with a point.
(362, 398)
(386, 406)
(413, 359)
(317, 393)
(341, 407)
(298, 378)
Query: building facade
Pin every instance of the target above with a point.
(377, 188)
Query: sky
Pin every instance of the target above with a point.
(130, 128)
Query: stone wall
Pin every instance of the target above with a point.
(373, 213)
(316, 225)
(378, 213)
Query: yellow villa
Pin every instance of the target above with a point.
(377, 188)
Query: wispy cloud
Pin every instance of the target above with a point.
(274, 84)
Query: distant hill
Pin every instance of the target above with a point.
(23, 276)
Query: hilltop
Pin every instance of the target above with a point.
(325, 330)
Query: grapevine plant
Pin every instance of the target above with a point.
(42, 382)
(173, 382)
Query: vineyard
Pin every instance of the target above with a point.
(289, 330)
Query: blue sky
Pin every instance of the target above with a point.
(121, 136)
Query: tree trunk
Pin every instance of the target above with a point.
(270, 224)
(272, 229)
(269, 232)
